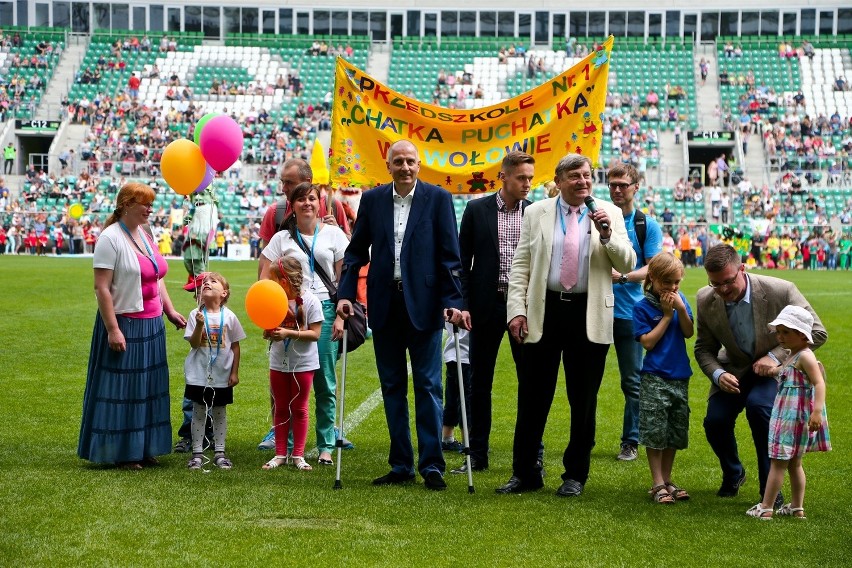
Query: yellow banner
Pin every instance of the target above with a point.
(461, 150)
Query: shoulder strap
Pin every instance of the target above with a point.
(332, 289)
(641, 229)
(280, 212)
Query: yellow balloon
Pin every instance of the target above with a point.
(76, 210)
(183, 166)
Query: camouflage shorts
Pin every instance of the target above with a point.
(663, 413)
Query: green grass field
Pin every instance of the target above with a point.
(59, 510)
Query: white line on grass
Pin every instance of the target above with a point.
(360, 414)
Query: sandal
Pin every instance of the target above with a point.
(325, 461)
(676, 492)
(195, 461)
(789, 511)
(277, 461)
(222, 462)
(300, 463)
(661, 495)
(759, 512)
(131, 466)
(150, 461)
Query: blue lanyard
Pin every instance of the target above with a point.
(149, 255)
(218, 338)
(562, 217)
(313, 245)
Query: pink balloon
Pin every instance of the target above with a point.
(221, 142)
(208, 179)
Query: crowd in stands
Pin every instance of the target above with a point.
(28, 73)
(321, 47)
(133, 133)
(26, 229)
(30, 227)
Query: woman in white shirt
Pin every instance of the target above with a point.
(317, 246)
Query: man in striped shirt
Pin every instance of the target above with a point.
(489, 234)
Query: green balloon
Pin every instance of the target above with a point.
(196, 134)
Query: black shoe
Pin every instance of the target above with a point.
(394, 478)
(454, 446)
(434, 481)
(539, 466)
(570, 488)
(732, 488)
(475, 465)
(517, 485)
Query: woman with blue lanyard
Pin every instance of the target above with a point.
(319, 248)
(126, 419)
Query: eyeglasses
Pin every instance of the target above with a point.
(620, 186)
(725, 283)
(578, 177)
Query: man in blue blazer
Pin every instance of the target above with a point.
(407, 231)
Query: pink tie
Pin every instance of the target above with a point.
(570, 251)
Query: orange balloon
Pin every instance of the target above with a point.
(266, 304)
(183, 166)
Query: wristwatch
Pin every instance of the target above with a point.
(623, 279)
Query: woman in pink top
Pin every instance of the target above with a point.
(126, 419)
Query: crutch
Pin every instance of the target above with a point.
(466, 450)
(339, 442)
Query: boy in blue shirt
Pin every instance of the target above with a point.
(662, 322)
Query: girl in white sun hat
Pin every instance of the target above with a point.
(798, 423)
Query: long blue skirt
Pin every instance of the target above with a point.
(126, 414)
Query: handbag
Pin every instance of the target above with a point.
(357, 322)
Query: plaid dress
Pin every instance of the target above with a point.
(789, 436)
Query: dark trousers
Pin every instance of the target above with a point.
(485, 340)
(452, 402)
(756, 396)
(424, 349)
(564, 339)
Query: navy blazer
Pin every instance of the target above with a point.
(479, 243)
(430, 256)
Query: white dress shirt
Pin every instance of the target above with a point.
(401, 211)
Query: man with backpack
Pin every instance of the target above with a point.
(647, 239)
(293, 172)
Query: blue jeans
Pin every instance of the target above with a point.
(424, 349)
(629, 353)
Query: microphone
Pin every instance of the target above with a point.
(590, 203)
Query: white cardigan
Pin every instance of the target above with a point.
(114, 252)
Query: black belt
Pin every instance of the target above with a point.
(567, 296)
(397, 285)
(502, 294)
